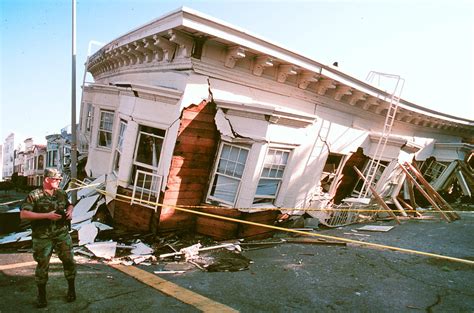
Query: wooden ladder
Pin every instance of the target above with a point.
(429, 192)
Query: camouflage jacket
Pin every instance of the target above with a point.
(40, 202)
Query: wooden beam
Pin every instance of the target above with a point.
(436, 195)
(423, 192)
(377, 197)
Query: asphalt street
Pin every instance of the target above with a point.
(286, 277)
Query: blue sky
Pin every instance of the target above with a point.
(428, 43)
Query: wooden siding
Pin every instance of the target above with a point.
(221, 229)
(191, 165)
(132, 217)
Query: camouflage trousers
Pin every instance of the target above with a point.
(43, 248)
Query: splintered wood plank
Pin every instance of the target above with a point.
(424, 193)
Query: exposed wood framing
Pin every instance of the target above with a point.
(377, 197)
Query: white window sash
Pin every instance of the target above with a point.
(156, 158)
(104, 131)
(217, 176)
(285, 155)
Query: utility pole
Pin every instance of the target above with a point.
(73, 107)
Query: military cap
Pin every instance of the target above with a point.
(52, 172)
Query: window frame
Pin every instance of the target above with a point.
(52, 158)
(89, 118)
(119, 146)
(215, 174)
(100, 130)
(261, 198)
(356, 191)
(140, 169)
(135, 153)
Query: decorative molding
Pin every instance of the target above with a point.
(342, 90)
(284, 70)
(260, 63)
(305, 78)
(155, 53)
(370, 102)
(184, 42)
(166, 46)
(380, 109)
(233, 54)
(145, 54)
(323, 85)
(135, 55)
(356, 96)
(126, 57)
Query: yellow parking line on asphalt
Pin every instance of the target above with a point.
(182, 294)
(16, 265)
(24, 264)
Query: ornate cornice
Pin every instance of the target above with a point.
(167, 43)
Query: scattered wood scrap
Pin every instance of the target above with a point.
(315, 241)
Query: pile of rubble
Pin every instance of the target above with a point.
(95, 239)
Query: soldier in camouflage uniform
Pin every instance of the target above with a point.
(49, 210)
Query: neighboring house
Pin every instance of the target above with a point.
(58, 151)
(188, 110)
(19, 162)
(35, 160)
(8, 158)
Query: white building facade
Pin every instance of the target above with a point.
(193, 111)
(8, 157)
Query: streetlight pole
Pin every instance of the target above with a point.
(73, 107)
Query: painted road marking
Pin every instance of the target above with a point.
(24, 264)
(16, 265)
(182, 294)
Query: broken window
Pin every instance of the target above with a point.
(228, 173)
(119, 147)
(105, 129)
(147, 158)
(330, 171)
(432, 169)
(357, 191)
(271, 176)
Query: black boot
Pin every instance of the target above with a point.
(41, 301)
(71, 291)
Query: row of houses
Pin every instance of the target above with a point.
(29, 159)
(191, 111)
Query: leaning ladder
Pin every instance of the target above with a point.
(387, 129)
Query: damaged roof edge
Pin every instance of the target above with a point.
(203, 23)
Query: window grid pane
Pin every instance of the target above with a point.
(228, 173)
(232, 161)
(272, 174)
(105, 129)
(148, 149)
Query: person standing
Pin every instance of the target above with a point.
(50, 211)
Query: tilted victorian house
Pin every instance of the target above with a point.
(188, 110)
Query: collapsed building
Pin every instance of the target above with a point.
(191, 111)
